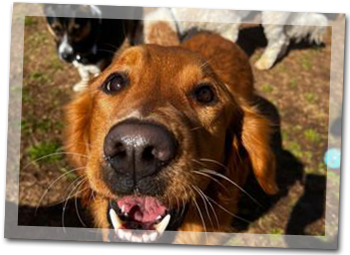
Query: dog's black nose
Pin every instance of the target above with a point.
(139, 149)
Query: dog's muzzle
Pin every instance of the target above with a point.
(137, 151)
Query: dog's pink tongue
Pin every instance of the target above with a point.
(142, 209)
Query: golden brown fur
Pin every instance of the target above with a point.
(160, 80)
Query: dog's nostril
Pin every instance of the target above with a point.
(117, 151)
(148, 153)
(120, 150)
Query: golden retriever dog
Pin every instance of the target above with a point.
(164, 139)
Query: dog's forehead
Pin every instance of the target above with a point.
(66, 12)
(163, 63)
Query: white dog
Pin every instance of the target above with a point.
(279, 27)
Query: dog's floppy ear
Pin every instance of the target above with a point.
(256, 139)
(78, 127)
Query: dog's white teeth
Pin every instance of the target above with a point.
(145, 238)
(121, 234)
(124, 234)
(153, 236)
(159, 217)
(116, 221)
(123, 209)
(127, 235)
(137, 239)
(161, 226)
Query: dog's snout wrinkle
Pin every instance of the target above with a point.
(139, 150)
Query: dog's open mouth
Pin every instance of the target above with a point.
(129, 215)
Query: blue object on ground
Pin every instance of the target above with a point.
(332, 158)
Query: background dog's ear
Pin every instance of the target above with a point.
(77, 131)
(255, 137)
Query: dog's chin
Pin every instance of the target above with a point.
(141, 219)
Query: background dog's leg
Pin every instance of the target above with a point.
(277, 44)
(85, 77)
(232, 33)
(94, 70)
(160, 28)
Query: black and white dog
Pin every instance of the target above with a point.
(88, 35)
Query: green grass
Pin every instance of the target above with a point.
(43, 125)
(277, 232)
(282, 67)
(312, 135)
(266, 88)
(59, 125)
(306, 63)
(295, 149)
(26, 127)
(56, 63)
(293, 83)
(30, 126)
(39, 77)
(310, 98)
(285, 135)
(26, 97)
(70, 176)
(35, 40)
(320, 169)
(43, 149)
(30, 21)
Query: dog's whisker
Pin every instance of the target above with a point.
(79, 180)
(51, 155)
(177, 204)
(212, 178)
(206, 63)
(196, 128)
(202, 218)
(92, 195)
(87, 144)
(108, 51)
(208, 171)
(53, 183)
(211, 206)
(215, 162)
(73, 185)
(183, 202)
(200, 193)
(76, 204)
(110, 45)
(228, 212)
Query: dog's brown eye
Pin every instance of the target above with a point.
(204, 94)
(57, 29)
(114, 83)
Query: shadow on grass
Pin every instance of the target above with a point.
(310, 206)
(253, 38)
(52, 216)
